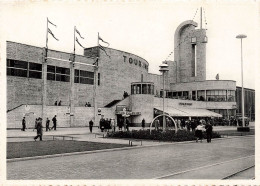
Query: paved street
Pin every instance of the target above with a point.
(145, 163)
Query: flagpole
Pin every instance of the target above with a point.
(47, 35)
(98, 45)
(74, 41)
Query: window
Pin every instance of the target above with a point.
(193, 61)
(35, 70)
(98, 79)
(58, 73)
(84, 77)
(24, 69)
(216, 95)
(193, 40)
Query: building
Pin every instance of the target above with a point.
(36, 84)
(249, 102)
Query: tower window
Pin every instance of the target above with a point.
(194, 61)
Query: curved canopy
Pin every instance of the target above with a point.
(189, 112)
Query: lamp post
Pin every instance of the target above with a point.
(163, 69)
(241, 37)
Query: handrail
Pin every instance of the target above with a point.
(14, 108)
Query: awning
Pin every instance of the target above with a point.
(189, 112)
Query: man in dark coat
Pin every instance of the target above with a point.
(39, 129)
(90, 125)
(143, 123)
(54, 120)
(47, 124)
(23, 124)
(209, 130)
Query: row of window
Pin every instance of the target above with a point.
(142, 89)
(24, 69)
(211, 95)
(55, 73)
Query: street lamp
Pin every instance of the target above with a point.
(163, 69)
(242, 36)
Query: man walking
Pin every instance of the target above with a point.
(90, 125)
(23, 124)
(54, 120)
(47, 124)
(209, 130)
(143, 123)
(39, 129)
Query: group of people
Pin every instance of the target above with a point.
(87, 104)
(38, 126)
(57, 104)
(106, 124)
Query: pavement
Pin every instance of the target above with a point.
(83, 134)
(193, 160)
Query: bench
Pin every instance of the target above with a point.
(132, 140)
(103, 135)
(63, 137)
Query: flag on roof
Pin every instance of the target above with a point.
(102, 40)
(102, 48)
(79, 42)
(78, 33)
(49, 31)
(51, 22)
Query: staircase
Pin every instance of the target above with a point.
(111, 104)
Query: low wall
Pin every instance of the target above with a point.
(82, 116)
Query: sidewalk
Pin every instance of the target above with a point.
(78, 134)
(83, 134)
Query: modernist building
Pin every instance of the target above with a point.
(34, 84)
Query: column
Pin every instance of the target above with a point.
(44, 84)
(72, 106)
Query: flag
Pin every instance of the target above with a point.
(79, 42)
(51, 22)
(103, 40)
(217, 77)
(78, 33)
(102, 48)
(52, 34)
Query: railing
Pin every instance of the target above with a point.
(14, 108)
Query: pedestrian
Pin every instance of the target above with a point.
(188, 125)
(35, 123)
(23, 124)
(54, 120)
(59, 103)
(90, 125)
(55, 103)
(47, 124)
(127, 124)
(39, 129)
(113, 125)
(143, 123)
(102, 124)
(179, 123)
(209, 130)
(156, 124)
(198, 132)
(120, 124)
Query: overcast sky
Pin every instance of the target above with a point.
(144, 28)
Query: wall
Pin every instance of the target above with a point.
(21, 90)
(82, 116)
(183, 53)
(205, 85)
(117, 73)
(143, 103)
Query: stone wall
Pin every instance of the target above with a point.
(82, 116)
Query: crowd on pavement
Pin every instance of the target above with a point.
(39, 127)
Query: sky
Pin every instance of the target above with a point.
(144, 28)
